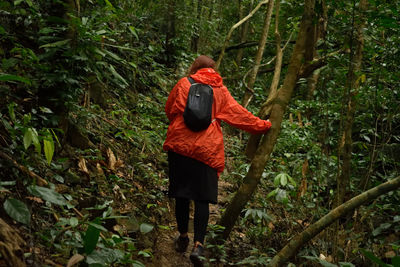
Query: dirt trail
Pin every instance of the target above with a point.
(164, 252)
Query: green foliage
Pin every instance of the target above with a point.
(395, 260)
(91, 236)
(51, 55)
(255, 259)
(17, 210)
(282, 182)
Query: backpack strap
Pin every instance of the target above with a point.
(191, 80)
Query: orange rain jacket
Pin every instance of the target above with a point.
(207, 146)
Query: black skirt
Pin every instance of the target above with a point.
(191, 179)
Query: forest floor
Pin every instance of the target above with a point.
(164, 252)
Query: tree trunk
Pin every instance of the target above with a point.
(310, 68)
(243, 35)
(265, 110)
(170, 35)
(301, 239)
(253, 176)
(229, 35)
(194, 44)
(261, 46)
(353, 83)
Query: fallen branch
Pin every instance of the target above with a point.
(39, 180)
(298, 241)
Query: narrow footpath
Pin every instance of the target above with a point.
(164, 252)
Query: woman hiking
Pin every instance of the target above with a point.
(196, 158)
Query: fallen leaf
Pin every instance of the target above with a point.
(271, 226)
(119, 163)
(118, 192)
(35, 199)
(61, 188)
(390, 254)
(75, 259)
(82, 166)
(99, 169)
(329, 258)
(48, 261)
(111, 159)
(34, 250)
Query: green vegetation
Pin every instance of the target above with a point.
(83, 178)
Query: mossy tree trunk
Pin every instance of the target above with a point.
(252, 179)
(353, 84)
(298, 241)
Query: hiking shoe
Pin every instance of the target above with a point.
(197, 252)
(181, 244)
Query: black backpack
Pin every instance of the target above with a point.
(198, 110)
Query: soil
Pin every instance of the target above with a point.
(164, 252)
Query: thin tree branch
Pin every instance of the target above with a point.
(229, 35)
(39, 180)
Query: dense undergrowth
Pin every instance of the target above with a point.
(82, 173)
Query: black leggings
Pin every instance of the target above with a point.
(201, 214)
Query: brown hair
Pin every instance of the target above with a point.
(201, 62)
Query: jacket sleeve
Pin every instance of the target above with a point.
(236, 115)
(175, 102)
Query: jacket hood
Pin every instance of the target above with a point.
(208, 76)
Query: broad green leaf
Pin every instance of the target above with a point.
(73, 221)
(367, 138)
(283, 180)
(277, 180)
(9, 77)
(281, 196)
(108, 3)
(17, 210)
(118, 76)
(56, 137)
(35, 140)
(104, 257)
(133, 31)
(11, 111)
(373, 258)
(8, 183)
(27, 138)
(91, 237)
(138, 264)
(247, 213)
(272, 193)
(48, 146)
(114, 56)
(381, 228)
(97, 226)
(396, 261)
(45, 110)
(346, 264)
(56, 44)
(98, 51)
(145, 228)
(47, 194)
